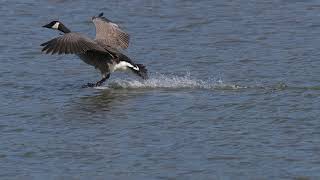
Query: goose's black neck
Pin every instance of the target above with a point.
(64, 29)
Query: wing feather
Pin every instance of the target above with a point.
(110, 34)
(73, 43)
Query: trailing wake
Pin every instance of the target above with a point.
(170, 82)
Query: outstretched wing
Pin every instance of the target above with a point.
(110, 34)
(71, 43)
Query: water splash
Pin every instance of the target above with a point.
(158, 81)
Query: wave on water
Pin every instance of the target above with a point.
(169, 81)
(162, 81)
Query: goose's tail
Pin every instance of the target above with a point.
(141, 71)
(138, 69)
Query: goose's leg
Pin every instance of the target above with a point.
(104, 78)
(99, 83)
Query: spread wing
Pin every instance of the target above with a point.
(71, 43)
(110, 34)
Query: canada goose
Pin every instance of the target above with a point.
(104, 52)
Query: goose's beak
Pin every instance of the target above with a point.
(47, 26)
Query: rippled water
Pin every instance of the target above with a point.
(233, 92)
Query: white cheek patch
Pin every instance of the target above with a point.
(56, 25)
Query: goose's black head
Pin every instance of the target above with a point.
(53, 25)
(57, 25)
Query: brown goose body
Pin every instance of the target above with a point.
(104, 52)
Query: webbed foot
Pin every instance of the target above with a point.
(89, 85)
(99, 83)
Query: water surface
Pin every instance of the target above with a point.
(233, 92)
